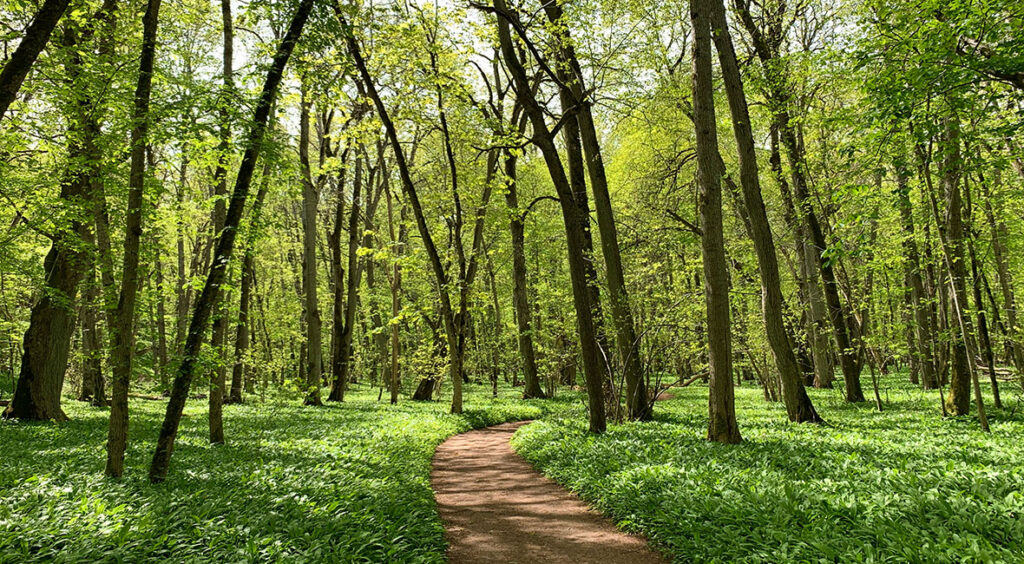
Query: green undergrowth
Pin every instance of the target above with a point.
(341, 483)
(901, 485)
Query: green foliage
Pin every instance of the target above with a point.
(901, 485)
(346, 483)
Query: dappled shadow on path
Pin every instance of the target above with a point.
(497, 508)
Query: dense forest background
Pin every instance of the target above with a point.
(277, 202)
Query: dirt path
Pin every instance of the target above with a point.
(497, 509)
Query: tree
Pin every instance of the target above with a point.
(37, 35)
(225, 245)
(722, 426)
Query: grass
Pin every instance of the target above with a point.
(901, 485)
(344, 483)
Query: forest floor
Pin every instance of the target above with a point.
(352, 482)
(497, 508)
(900, 485)
(342, 483)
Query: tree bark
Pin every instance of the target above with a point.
(779, 88)
(124, 330)
(576, 235)
(627, 342)
(409, 188)
(798, 405)
(344, 351)
(916, 295)
(520, 293)
(722, 426)
(225, 246)
(220, 316)
(37, 35)
(314, 343)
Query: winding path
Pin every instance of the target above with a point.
(497, 509)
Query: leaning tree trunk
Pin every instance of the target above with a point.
(626, 340)
(779, 94)
(225, 246)
(576, 235)
(409, 188)
(798, 405)
(722, 426)
(37, 35)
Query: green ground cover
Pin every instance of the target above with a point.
(902, 485)
(343, 483)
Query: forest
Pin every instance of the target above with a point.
(424, 281)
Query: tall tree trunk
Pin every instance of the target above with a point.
(344, 352)
(240, 379)
(338, 270)
(220, 316)
(722, 426)
(409, 188)
(161, 321)
(37, 35)
(397, 244)
(815, 316)
(627, 342)
(314, 342)
(1001, 255)
(916, 295)
(576, 234)
(47, 341)
(952, 237)
(124, 330)
(181, 283)
(779, 93)
(225, 246)
(798, 405)
(520, 294)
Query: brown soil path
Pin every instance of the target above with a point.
(497, 509)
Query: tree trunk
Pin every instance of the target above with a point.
(124, 330)
(92, 345)
(722, 426)
(1001, 255)
(779, 93)
(397, 244)
(314, 342)
(441, 277)
(344, 351)
(916, 296)
(576, 233)
(220, 316)
(37, 35)
(520, 294)
(627, 342)
(798, 405)
(225, 246)
(161, 320)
